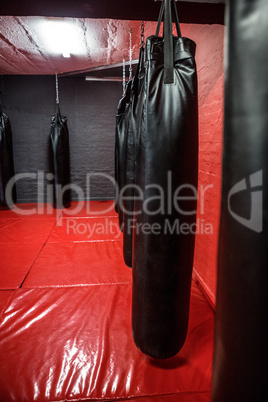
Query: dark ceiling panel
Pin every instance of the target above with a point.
(199, 11)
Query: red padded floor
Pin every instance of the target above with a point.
(16, 261)
(62, 338)
(5, 295)
(22, 237)
(23, 230)
(66, 344)
(86, 229)
(74, 264)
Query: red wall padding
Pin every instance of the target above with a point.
(209, 57)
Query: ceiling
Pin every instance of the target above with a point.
(116, 9)
(101, 26)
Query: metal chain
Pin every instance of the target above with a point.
(142, 33)
(130, 54)
(124, 75)
(57, 90)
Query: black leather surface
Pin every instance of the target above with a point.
(6, 159)
(135, 114)
(60, 160)
(122, 124)
(167, 146)
(241, 331)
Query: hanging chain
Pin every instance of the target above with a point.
(57, 90)
(124, 75)
(130, 54)
(142, 33)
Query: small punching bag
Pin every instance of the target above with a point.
(166, 174)
(240, 369)
(60, 158)
(6, 162)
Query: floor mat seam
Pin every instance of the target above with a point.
(26, 276)
(137, 396)
(79, 286)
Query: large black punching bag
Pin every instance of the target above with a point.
(122, 122)
(241, 331)
(6, 162)
(60, 160)
(166, 171)
(135, 106)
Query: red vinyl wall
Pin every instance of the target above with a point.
(209, 58)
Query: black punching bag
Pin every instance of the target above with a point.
(122, 122)
(6, 162)
(240, 370)
(135, 105)
(60, 160)
(166, 170)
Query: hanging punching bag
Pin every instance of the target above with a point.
(135, 105)
(241, 330)
(60, 160)
(122, 122)
(6, 162)
(166, 173)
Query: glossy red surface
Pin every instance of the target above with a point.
(66, 334)
(64, 344)
(4, 299)
(210, 86)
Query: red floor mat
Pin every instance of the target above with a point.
(187, 397)
(75, 344)
(74, 264)
(15, 262)
(85, 229)
(5, 295)
(23, 230)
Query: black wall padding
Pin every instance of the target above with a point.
(6, 160)
(60, 160)
(92, 107)
(167, 152)
(241, 332)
